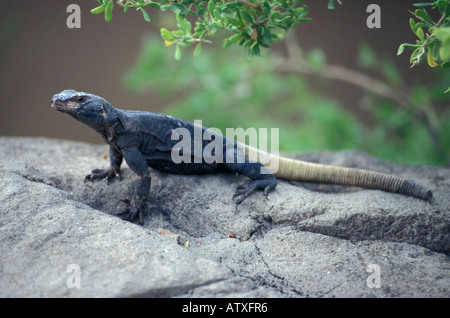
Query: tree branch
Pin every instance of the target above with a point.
(294, 62)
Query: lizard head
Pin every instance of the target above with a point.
(90, 109)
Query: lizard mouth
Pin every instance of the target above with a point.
(64, 106)
(57, 105)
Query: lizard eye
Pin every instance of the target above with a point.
(81, 99)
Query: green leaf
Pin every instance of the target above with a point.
(430, 59)
(254, 51)
(420, 34)
(178, 8)
(266, 8)
(331, 4)
(198, 50)
(166, 35)
(153, 5)
(99, 9)
(183, 24)
(145, 14)
(267, 35)
(434, 48)
(401, 48)
(424, 4)
(185, 42)
(227, 43)
(246, 16)
(232, 5)
(108, 10)
(440, 4)
(301, 12)
(178, 33)
(211, 7)
(235, 38)
(275, 15)
(412, 24)
(422, 13)
(166, 7)
(203, 35)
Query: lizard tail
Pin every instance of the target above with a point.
(297, 170)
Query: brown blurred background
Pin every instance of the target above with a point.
(40, 56)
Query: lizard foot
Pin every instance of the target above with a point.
(135, 207)
(109, 174)
(244, 190)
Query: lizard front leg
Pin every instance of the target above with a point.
(113, 171)
(137, 162)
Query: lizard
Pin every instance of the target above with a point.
(145, 139)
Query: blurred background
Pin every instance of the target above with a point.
(126, 62)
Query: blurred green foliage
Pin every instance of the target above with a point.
(400, 137)
(433, 35)
(420, 128)
(234, 91)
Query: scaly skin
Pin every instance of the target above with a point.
(144, 140)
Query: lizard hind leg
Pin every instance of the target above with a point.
(260, 177)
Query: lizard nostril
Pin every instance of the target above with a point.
(54, 99)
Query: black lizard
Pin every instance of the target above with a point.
(146, 139)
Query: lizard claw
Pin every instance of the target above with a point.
(266, 192)
(125, 200)
(135, 207)
(244, 190)
(109, 174)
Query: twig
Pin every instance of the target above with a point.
(295, 62)
(337, 72)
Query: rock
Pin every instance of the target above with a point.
(307, 241)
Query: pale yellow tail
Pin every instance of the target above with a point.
(297, 170)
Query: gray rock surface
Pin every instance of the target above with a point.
(307, 241)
